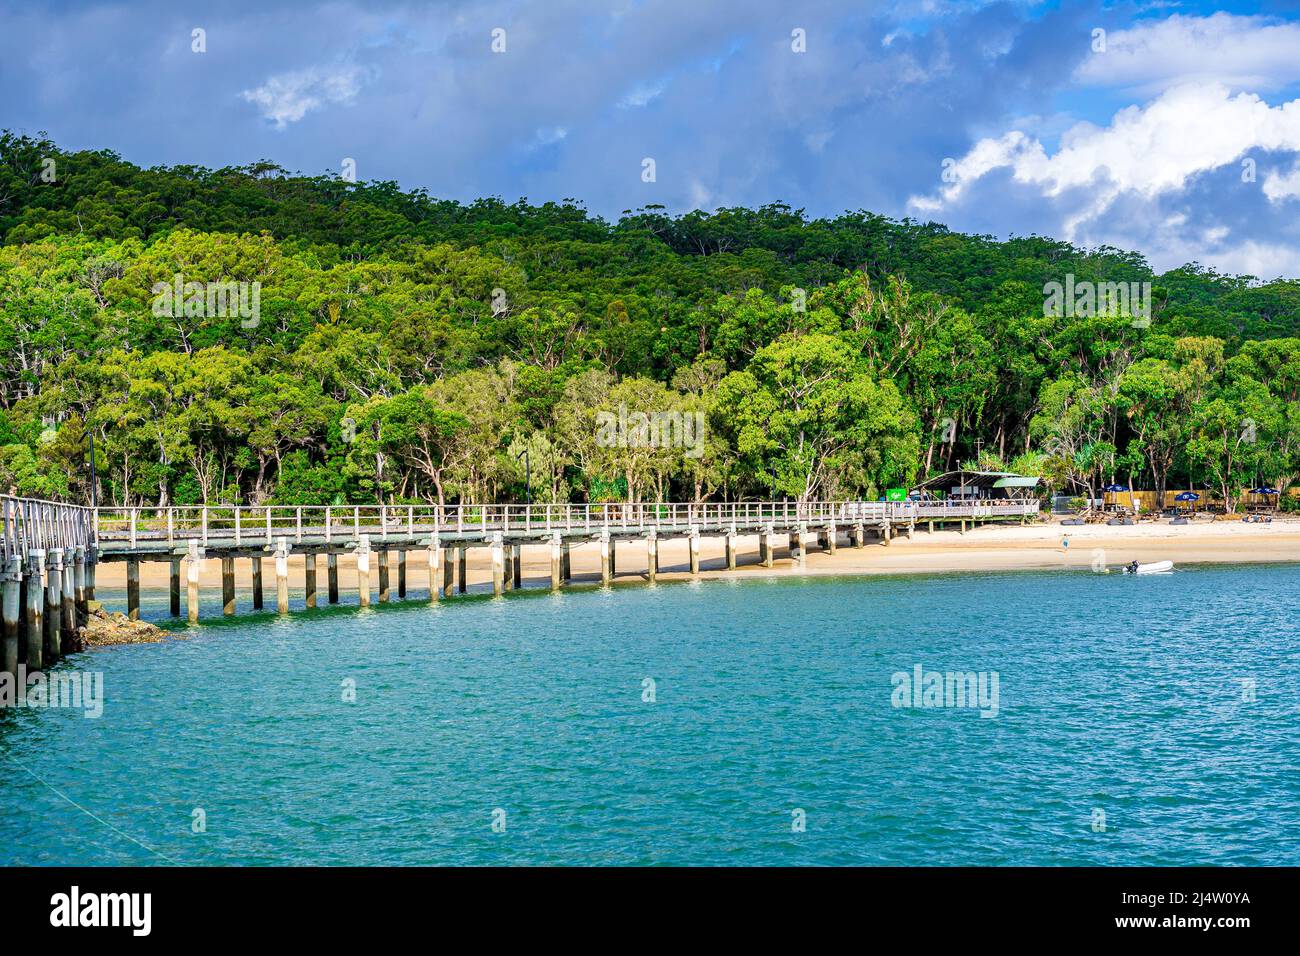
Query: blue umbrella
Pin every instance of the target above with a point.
(1263, 491)
(1187, 496)
(1114, 489)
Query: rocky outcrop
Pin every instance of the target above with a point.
(103, 629)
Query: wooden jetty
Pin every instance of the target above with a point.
(51, 550)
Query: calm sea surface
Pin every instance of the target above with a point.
(1122, 733)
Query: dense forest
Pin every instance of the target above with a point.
(396, 347)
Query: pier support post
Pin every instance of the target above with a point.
(35, 610)
(731, 548)
(461, 577)
(132, 588)
(228, 585)
(566, 562)
(92, 559)
(652, 555)
(281, 575)
(519, 566)
(257, 584)
(53, 600)
(831, 534)
(13, 584)
(435, 567)
(383, 575)
(557, 562)
(508, 566)
(886, 532)
(69, 602)
(449, 573)
(695, 549)
(963, 525)
(765, 546)
(798, 551)
(174, 587)
(911, 529)
(859, 535)
(79, 582)
(401, 574)
(931, 529)
(309, 580)
(332, 576)
(363, 570)
(606, 568)
(192, 563)
(498, 564)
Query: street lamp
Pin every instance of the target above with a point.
(528, 474)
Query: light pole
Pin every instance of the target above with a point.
(91, 433)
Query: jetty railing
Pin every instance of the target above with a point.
(254, 524)
(30, 524)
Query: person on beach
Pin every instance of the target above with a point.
(1065, 542)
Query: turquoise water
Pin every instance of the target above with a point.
(1120, 695)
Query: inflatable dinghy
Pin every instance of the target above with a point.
(1156, 567)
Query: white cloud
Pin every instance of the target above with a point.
(287, 97)
(642, 94)
(1238, 52)
(1147, 151)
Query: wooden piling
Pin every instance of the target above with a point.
(566, 562)
(332, 576)
(54, 600)
(228, 584)
(461, 578)
(383, 575)
(174, 587)
(34, 630)
(193, 564)
(309, 580)
(363, 570)
(92, 559)
(257, 584)
(695, 549)
(508, 565)
(652, 555)
(282, 576)
(731, 548)
(133, 588)
(519, 566)
(401, 574)
(13, 585)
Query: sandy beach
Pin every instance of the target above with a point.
(988, 548)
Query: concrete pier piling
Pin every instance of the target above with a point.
(92, 561)
(193, 564)
(859, 535)
(34, 613)
(695, 549)
(462, 581)
(435, 567)
(449, 573)
(383, 576)
(12, 578)
(652, 556)
(606, 569)
(309, 580)
(401, 574)
(731, 548)
(69, 601)
(765, 555)
(498, 565)
(363, 570)
(831, 534)
(518, 565)
(79, 582)
(53, 604)
(281, 576)
(332, 576)
(257, 584)
(885, 533)
(508, 565)
(567, 563)
(798, 546)
(557, 563)
(132, 588)
(227, 585)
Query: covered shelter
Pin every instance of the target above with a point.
(976, 485)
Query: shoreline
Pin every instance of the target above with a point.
(988, 548)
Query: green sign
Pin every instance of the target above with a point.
(895, 494)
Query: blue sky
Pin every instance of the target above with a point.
(1176, 132)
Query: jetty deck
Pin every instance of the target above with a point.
(51, 549)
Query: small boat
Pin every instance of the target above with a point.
(1155, 567)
